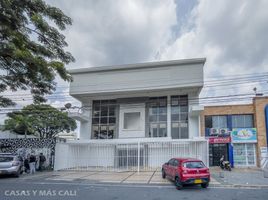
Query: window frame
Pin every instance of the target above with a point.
(98, 120)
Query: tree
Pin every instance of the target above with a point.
(32, 49)
(42, 120)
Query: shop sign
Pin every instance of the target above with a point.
(219, 140)
(244, 135)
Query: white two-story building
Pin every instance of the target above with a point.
(135, 116)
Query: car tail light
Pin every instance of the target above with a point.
(15, 163)
(184, 171)
(207, 170)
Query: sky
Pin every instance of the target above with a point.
(231, 35)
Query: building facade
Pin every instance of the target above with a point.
(136, 115)
(239, 132)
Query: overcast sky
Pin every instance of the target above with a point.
(232, 35)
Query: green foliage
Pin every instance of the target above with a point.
(42, 120)
(31, 49)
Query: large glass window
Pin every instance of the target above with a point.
(104, 119)
(157, 113)
(242, 121)
(217, 121)
(179, 117)
(244, 154)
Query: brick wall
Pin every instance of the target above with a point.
(224, 110)
(259, 116)
(256, 108)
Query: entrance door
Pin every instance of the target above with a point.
(216, 151)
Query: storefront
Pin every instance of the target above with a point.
(244, 146)
(218, 147)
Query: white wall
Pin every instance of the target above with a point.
(129, 108)
(85, 127)
(164, 76)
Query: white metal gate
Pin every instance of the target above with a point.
(138, 156)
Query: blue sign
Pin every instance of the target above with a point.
(244, 135)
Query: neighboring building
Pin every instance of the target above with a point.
(9, 134)
(136, 115)
(239, 132)
(68, 136)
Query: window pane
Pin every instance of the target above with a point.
(153, 130)
(112, 120)
(104, 110)
(219, 121)
(184, 132)
(104, 120)
(153, 111)
(162, 110)
(96, 132)
(208, 121)
(111, 131)
(184, 117)
(175, 130)
(175, 117)
(242, 121)
(111, 110)
(96, 113)
(95, 120)
(153, 118)
(103, 132)
(162, 130)
(162, 118)
(175, 110)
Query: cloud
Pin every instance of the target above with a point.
(117, 32)
(232, 35)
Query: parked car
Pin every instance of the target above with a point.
(10, 164)
(186, 171)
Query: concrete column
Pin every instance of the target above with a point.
(168, 116)
(85, 127)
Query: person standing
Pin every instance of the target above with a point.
(32, 163)
(42, 160)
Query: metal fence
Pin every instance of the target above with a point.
(138, 156)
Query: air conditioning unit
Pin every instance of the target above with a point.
(223, 131)
(214, 131)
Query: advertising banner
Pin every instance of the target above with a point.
(219, 140)
(244, 135)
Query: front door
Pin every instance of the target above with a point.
(216, 151)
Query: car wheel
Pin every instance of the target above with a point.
(178, 183)
(163, 173)
(204, 185)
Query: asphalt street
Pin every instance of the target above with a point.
(12, 188)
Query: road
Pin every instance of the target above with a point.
(12, 188)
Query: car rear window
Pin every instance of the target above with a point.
(193, 164)
(6, 159)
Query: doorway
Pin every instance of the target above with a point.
(215, 153)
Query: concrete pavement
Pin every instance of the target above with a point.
(151, 177)
(236, 178)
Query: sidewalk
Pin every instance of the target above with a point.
(238, 177)
(246, 178)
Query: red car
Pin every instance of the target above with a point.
(186, 171)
